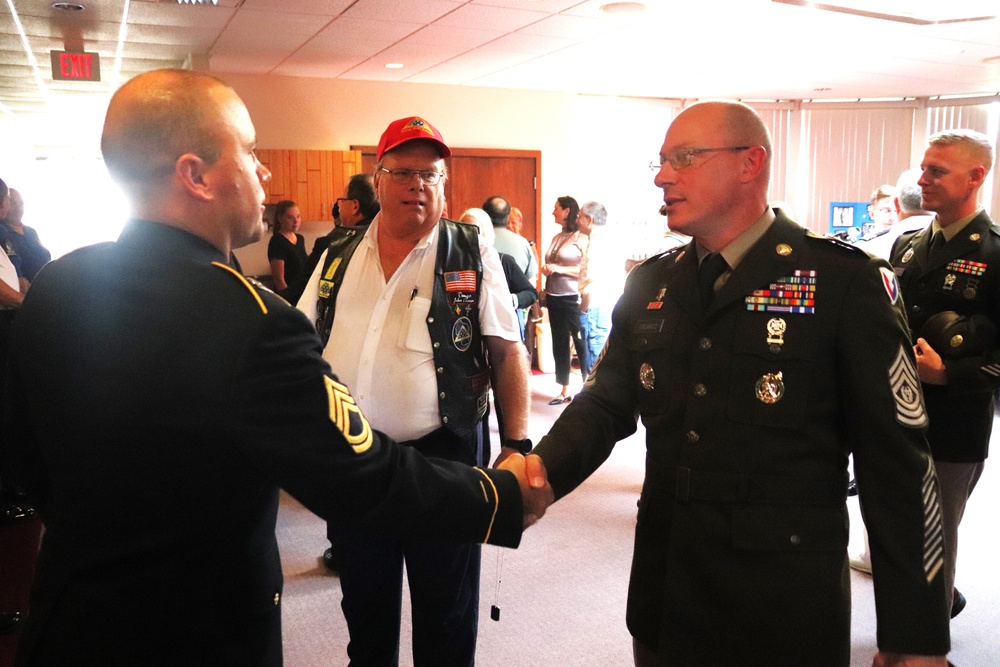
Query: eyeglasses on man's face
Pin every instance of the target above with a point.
(684, 157)
(403, 176)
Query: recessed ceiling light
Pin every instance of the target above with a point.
(623, 8)
(394, 65)
(68, 6)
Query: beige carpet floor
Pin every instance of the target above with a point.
(562, 593)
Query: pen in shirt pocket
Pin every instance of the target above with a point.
(413, 295)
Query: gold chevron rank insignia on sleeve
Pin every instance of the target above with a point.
(346, 416)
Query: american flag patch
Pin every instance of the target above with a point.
(966, 266)
(792, 294)
(460, 281)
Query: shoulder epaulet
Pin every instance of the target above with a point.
(671, 252)
(254, 287)
(834, 241)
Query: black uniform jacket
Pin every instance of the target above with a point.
(751, 410)
(964, 277)
(160, 401)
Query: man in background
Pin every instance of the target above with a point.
(506, 241)
(357, 208)
(510, 243)
(908, 215)
(602, 278)
(25, 239)
(951, 269)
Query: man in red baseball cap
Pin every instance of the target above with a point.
(408, 129)
(411, 309)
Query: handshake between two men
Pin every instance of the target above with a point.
(536, 492)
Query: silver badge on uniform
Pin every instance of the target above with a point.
(776, 334)
(908, 255)
(647, 378)
(949, 281)
(770, 388)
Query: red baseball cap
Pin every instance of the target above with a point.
(407, 129)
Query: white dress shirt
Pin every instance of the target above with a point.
(380, 346)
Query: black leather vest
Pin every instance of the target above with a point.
(463, 374)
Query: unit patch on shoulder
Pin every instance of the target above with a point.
(890, 284)
(346, 416)
(905, 386)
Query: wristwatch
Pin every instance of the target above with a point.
(523, 446)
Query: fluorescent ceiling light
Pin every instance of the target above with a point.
(27, 50)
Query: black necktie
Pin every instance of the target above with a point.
(713, 266)
(937, 242)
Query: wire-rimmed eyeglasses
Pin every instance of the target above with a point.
(684, 157)
(403, 176)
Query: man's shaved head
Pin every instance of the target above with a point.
(155, 118)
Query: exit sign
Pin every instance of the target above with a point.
(76, 66)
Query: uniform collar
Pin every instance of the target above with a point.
(952, 230)
(168, 239)
(740, 246)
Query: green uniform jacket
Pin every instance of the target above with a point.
(751, 410)
(965, 278)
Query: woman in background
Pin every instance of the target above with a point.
(287, 249)
(562, 296)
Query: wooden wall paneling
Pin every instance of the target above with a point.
(313, 179)
(330, 182)
(286, 160)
